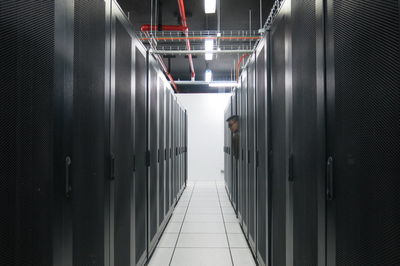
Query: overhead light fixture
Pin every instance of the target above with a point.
(208, 76)
(223, 84)
(210, 6)
(208, 46)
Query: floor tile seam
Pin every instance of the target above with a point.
(180, 229)
(226, 233)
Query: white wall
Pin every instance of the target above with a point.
(205, 134)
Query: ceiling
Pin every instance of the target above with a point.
(234, 16)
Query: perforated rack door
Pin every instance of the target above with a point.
(363, 99)
(278, 139)
(26, 151)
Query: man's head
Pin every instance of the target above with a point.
(233, 123)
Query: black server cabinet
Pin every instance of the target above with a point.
(239, 92)
(121, 139)
(262, 148)
(160, 151)
(239, 96)
(34, 146)
(363, 130)
(180, 151)
(227, 146)
(173, 151)
(141, 224)
(186, 147)
(234, 161)
(306, 157)
(251, 190)
(152, 153)
(229, 153)
(244, 153)
(279, 136)
(90, 181)
(167, 151)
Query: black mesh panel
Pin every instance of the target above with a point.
(88, 131)
(27, 84)
(304, 133)
(123, 145)
(279, 157)
(140, 152)
(366, 147)
(261, 150)
(153, 127)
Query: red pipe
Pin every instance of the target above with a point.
(164, 67)
(182, 13)
(238, 65)
(148, 27)
(202, 38)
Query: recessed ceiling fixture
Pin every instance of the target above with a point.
(210, 6)
(208, 76)
(208, 46)
(222, 84)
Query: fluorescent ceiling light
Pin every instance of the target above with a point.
(222, 84)
(208, 76)
(209, 46)
(210, 6)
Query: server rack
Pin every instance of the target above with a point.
(307, 147)
(279, 177)
(362, 97)
(153, 131)
(262, 148)
(140, 153)
(235, 161)
(161, 148)
(245, 153)
(252, 193)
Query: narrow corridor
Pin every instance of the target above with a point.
(203, 230)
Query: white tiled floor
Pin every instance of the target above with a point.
(203, 231)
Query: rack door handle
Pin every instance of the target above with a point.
(329, 179)
(68, 187)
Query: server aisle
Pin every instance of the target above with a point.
(203, 230)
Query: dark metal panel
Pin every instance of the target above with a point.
(251, 75)
(153, 152)
(305, 141)
(278, 141)
(122, 143)
(161, 153)
(321, 128)
(140, 152)
(240, 159)
(28, 95)
(235, 161)
(363, 113)
(186, 147)
(261, 153)
(244, 151)
(167, 150)
(89, 180)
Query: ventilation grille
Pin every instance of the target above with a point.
(367, 147)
